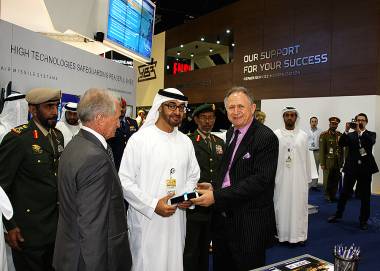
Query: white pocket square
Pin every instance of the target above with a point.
(247, 156)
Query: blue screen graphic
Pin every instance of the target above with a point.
(130, 24)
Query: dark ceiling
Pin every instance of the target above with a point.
(171, 13)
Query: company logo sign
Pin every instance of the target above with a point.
(147, 71)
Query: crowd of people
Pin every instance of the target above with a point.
(97, 190)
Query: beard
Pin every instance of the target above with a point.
(46, 122)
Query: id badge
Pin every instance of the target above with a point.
(171, 185)
(362, 152)
(288, 162)
(331, 151)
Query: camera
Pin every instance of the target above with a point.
(353, 124)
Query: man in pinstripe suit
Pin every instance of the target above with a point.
(244, 219)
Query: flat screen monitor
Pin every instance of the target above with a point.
(131, 25)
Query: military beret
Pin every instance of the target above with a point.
(204, 108)
(42, 95)
(334, 119)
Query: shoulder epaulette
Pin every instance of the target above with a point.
(324, 133)
(20, 129)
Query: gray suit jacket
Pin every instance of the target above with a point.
(92, 228)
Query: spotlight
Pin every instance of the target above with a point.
(233, 44)
(211, 50)
(191, 55)
(228, 31)
(202, 39)
(181, 46)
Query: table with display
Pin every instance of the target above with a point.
(305, 262)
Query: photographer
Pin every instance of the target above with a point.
(359, 166)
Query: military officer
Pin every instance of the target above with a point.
(331, 159)
(209, 151)
(29, 157)
(128, 127)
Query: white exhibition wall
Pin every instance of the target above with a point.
(29, 60)
(344, 107)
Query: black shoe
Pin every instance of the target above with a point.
(302, 243)
(363, 226)
(334, 218)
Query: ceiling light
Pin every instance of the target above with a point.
(202, 39)
(178, 53)
(181, 46)
(228, 31)
(177, 59)
(191, 55)
(211, 50)
(167, 67)
(233, 44)
(218, 42)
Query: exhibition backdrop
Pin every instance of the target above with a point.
(31, 60)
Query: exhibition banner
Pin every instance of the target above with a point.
(29, 60)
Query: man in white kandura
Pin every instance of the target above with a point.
(158, 161)
(292, 178)
(69, 124)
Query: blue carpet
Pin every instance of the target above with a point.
(323, 236)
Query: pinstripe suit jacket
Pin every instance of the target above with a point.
(248, 202)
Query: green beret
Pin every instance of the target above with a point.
(204, 108)
(334, 119)
(42, 95)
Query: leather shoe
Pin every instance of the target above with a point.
(334, 218)
(363, 226)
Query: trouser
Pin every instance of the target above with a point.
(331, 178)
(227, 258)
(364, 180)
(314, 182)
(34, 259)
(196, 253)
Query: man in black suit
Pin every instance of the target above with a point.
(92, 228)
(359, 166)
(244, 219)
(128, 127)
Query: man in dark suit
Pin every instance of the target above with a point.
(359, 166)
(29, 157)
(92, 227)
(128, 127)
(209, 152)
(244, 219)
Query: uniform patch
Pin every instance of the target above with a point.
(218, 149)
(37, 149)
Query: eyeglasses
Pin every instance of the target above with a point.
(173, 107)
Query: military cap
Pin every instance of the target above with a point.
(204, 108)
(42, 95)
(334, 119)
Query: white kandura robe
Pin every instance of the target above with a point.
(7, 211)
(156, 242)
(68, 131)
(291, 188)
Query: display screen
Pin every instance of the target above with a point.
(130, 24)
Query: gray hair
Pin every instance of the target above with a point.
(237, 89)
(94, 102)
